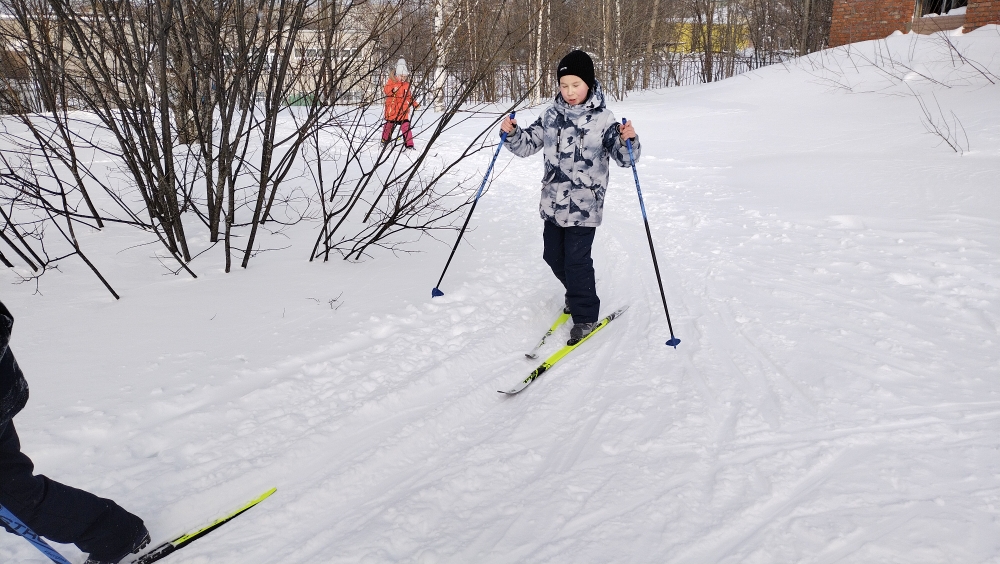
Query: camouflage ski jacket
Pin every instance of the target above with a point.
(13, 387)
(578, 143)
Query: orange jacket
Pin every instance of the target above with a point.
(398, 100)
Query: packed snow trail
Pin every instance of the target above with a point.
(834, 276)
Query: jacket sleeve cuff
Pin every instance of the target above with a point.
(635, 141)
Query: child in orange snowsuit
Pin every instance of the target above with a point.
(398, 100)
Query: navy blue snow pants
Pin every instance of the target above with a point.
(567, 252)
(61, 513)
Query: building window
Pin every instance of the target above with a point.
(940, 6)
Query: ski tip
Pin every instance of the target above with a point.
(435, 293)
(531, 355)
(673, 342)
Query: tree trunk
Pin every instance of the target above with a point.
(648, 63)
(167, 182)
(804, 45)
(536, 91)
(440, 56)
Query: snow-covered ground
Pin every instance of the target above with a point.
(833, 271)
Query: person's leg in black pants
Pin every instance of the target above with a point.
(567, 252)
(63, 514)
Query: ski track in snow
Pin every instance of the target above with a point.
(834, 397)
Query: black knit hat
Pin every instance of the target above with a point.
(577, 63)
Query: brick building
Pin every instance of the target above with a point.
(861, 20)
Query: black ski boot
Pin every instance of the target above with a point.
(139, 543)
(579, 331)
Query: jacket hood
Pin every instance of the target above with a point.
(594, 102)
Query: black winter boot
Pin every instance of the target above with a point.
(140, 542)
(579, 331)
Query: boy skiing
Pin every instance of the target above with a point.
(578, 136)
(398, 100)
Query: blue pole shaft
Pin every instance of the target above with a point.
(15, 524)
(503, 137)
(674, 341)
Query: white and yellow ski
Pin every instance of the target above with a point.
(180, 542)
(559, 354)
(563, 317)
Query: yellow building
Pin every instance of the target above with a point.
(691, 37)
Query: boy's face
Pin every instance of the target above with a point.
(574, 89)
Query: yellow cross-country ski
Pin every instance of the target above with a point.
(559, 354)
(563, 317)
(180, 542)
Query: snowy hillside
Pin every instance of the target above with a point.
(832, 268)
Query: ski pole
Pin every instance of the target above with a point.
(674, 341)
(15, 524)
(435, 292)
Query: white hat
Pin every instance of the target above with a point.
(401, 69)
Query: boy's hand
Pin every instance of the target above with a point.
(626, 131)
(508, 125)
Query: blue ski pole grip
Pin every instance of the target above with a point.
(628, 142)
(503, 134)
